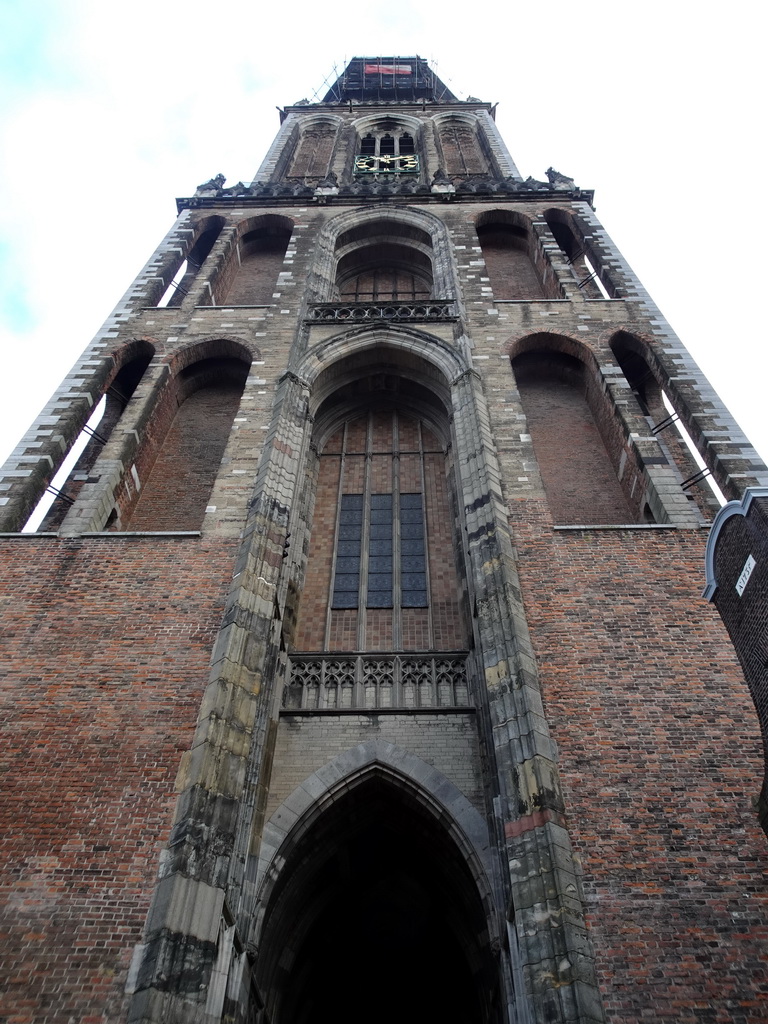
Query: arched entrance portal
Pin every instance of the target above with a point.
(376, 915)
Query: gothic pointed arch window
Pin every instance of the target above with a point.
(313, 154)
(387, 147)
(381, 572)
(462, 153)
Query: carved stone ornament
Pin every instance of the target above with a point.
(560, 182)
(319, 682)
(211, 187)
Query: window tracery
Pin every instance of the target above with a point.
(387, 150)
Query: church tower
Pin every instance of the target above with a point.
(360, 669)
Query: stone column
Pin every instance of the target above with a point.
(223, 777)
(545, 901)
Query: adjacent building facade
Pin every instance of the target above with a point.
(361, 666)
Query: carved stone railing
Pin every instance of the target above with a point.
(319, 682)
(368, 312)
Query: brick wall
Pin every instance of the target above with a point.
(110, 643)
(660, 757)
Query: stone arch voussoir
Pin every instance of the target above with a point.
(543, 341)
(441, 361)
(221, 347)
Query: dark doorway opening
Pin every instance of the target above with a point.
(376, 916)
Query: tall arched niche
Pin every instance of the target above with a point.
(179, 272)
(515, 260)
(577, 438)
(383, 260)
(409, 245)
(189, 424)
(312, 156)
(250, 273)
(461, 144)
(592, 277)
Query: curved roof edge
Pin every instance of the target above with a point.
(733, 508)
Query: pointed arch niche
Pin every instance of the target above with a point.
(250, 274)
(173, 474)
(517, 265)
(461, 145)
(314, 150)
(381, 573)
(578, 441)
(374, 879)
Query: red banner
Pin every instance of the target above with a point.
(388, 69)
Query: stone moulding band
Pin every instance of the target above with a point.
(348, 681)
(414, 312)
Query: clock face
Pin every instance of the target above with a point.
(387, 165)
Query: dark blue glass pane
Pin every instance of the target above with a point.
(414, 581)
(411, 530)
(411, 515)
(351, 501)
(380, 564)
(348, 548)
(410, 501)
(380, 547)
(381, 531)
(412, 546)
(347, 565)
(379, 599)
(350, 515)
(412, 563)
(350, 531)
(414, 599)
(345, 600)
(346, 582)
(380, 581)
(381, 515)
(381, 501)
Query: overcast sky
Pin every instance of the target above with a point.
(110, 111)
